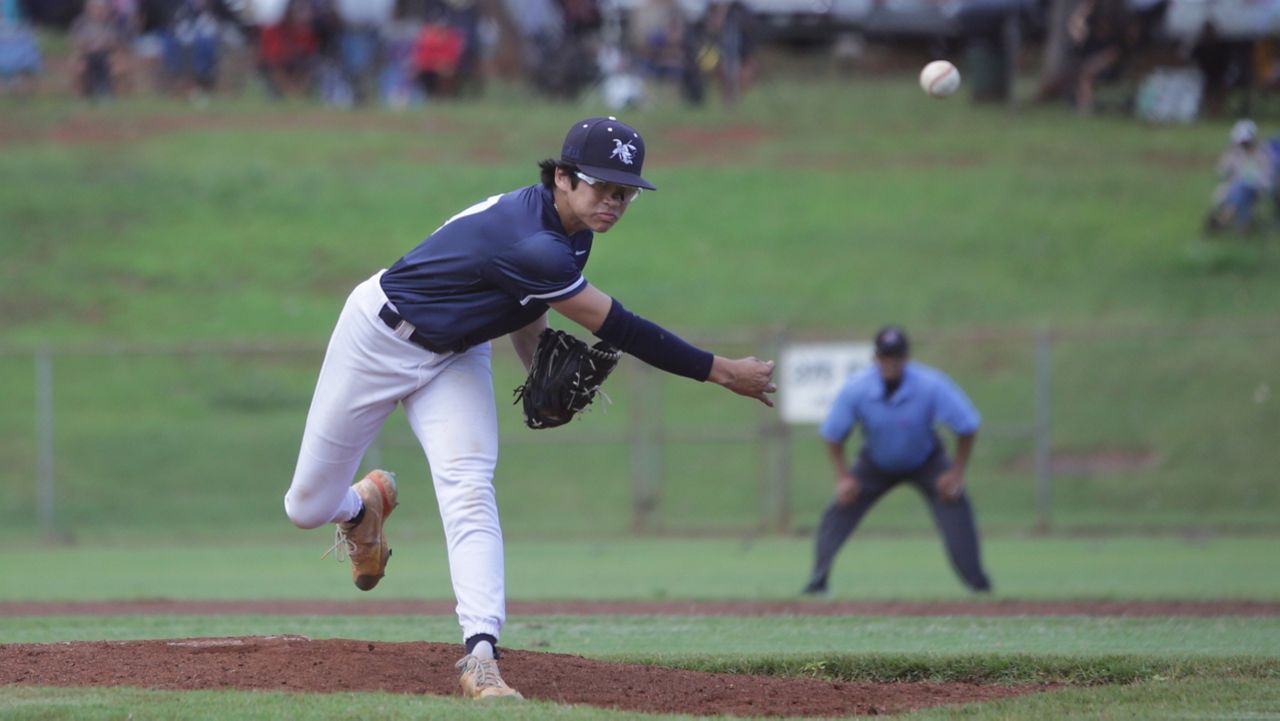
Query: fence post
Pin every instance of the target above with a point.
(781, 432)
(1043, 427)
(646, 447)
(44, 441)
(782, 482)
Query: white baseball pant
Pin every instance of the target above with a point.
(448, 398)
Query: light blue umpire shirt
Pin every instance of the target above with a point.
(898, 432)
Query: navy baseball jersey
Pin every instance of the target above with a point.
(898, 430)
(489, 270)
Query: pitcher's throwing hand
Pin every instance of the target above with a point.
(745, 376)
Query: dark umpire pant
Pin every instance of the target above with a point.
(954, 519)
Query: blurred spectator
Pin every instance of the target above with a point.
(1103, 35)
(53, 13)
(1266, 59)
(127, 17)
(662, 53)
(1246, 172)
(620, 86)
(730, 30)
(436, 55)
(560, 60)
(661, 30)
(20, 60)
(490, 35)
(360, 42)
(581, 17)
(96, 43)
(1225, 64)
(331, 82)
(191, 49)
(574, 64)
(287, 51)
(397, 81)
(467, 17)
(692, 88)
(541, 28)
(669, 45)
(155, 18)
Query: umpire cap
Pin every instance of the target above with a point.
(891, 342)
(606, 148)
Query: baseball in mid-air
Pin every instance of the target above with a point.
(939, 78)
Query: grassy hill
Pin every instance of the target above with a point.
(186, 266)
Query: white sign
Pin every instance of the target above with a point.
(811, 374)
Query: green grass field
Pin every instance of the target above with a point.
(1218, 666)
(1246, 698)
(869, 568)
(823, 208)
(185, 267)
(1152, 668)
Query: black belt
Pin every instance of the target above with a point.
(393, 321)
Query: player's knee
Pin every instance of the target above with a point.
(303, 511)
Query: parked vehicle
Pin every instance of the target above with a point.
(947, 18)
(1231, 19)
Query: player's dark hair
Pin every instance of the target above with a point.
(548, 168)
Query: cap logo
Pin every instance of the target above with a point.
(623, 151)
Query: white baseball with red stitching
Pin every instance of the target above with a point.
(940, 79)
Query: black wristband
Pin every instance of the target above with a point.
(654, 345)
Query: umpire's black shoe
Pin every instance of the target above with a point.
(816, 590)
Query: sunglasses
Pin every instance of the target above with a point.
(625, 193)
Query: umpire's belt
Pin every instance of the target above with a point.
(394, 321)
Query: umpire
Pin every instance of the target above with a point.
(897, 402)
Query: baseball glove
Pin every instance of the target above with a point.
(564, 378)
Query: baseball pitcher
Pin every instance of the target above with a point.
(418, 334)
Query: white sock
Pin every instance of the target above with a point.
(351, 504)
(483, 649)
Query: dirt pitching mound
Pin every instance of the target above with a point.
(300, 664)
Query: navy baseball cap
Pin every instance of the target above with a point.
(891, 342)
(606, 148)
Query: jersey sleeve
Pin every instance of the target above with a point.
(539, 267)
(843, 415)
(955, 410)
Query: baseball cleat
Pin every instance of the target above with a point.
(479, 678)
(364, 542)
(816, 588)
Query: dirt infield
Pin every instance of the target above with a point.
(299, 664)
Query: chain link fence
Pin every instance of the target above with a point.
(1123, 430)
